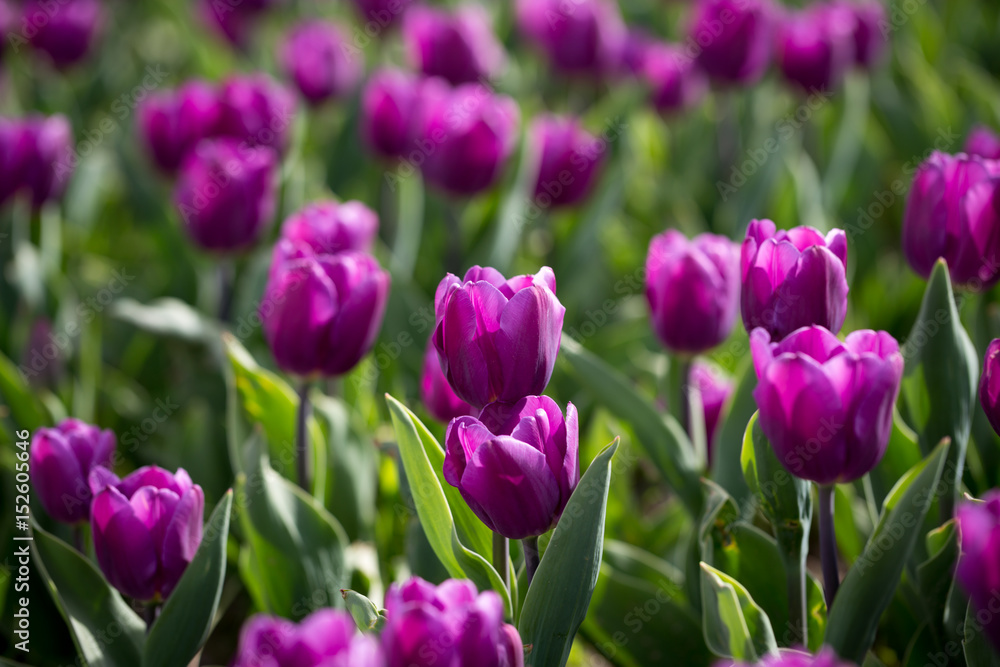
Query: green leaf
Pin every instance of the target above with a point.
(166, 317)
(939, 385)
(26, 409)
(89, 604)
(902, 453)
(367, 616)
(735, 627)
(659, 434)
(560, 593)
(187, 616)
(978, 650)
(296, 546)
(433, 508)
(936, 574)
(871, 582)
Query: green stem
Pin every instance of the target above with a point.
(828, 544)
(530, 545)
(677, 377)
(796, 573)
(501, 558)
(302, 438)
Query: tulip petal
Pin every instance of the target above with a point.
(462, 438)
(123, 545)
(462, 358)
(528, 341)
(182, 537)
(304, 302)
(357, 324)
(814, 292)
(479, 641)
(58, 478)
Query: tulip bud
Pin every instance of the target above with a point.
(324, 637)
(732, 38)
(47, 163)
(676, 82)
(61, 460)
(715, 387)
(989, 385)
(815, 46)
(693, 290)
(63, 30)
(257, 110)
(826, 405)
(380, 15)
(451, 624)
(978, 570)
(517, 465)
(582, 37)
(793, 278)
(329, 227)
(982, 141)
(952, 212)
(569, 163)
(635, 46)
(458, 46)
(173, 122)
(387, 105)
(498, 339)
(225, 194)
(437, 395)
(14, 150)
(869, 39)
(466, 136)
(322, 312)
(318, 58)
(147, 528)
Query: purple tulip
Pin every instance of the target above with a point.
(61, 460)
(579, 37)
(634, 50)
(233, 22)
(978, 569)
(147, 528)
(715, 387)
(798, 658)
(225, 194)
(676, 82)
(329, 227)
(257, 110)
(318, 58)
(498, 339)
(982, 141)
(869, 40)
(450, 625)
(825, 405)
(387, 105)
(952, 212)
(815, 46)
(322, 312)
(466, 136)
(438, 396)
(989, 384)
(380, 15)
(173, 122)
(46, 157)
(693, 290)
(458, 46)
(14, 150)
(63, 30)
(570, 160)
(732, 38)
(793, 278)
(516, 466)
(326, 637)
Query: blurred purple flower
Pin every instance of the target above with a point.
(61, 461)
(984, 142)
(715, 386)
(35, 157)
(147, 528)
(676, 82)
(796, 658)
(329, 227)
(732, 39)
(324, 638)
(989, 385)
(869, 39)
(438, 396)
(64, 30)
(380, 15)
(569, 163)
(579, 37)
(387, 107)
(318, 58)
(173, 122)
(457, 45)
(815, 46)
(693, 290)
(826, 405)
(257, 110)
(978, 570)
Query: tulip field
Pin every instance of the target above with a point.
(454, 333)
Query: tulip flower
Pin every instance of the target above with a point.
(65, 30)
(317, 56)
(692, 287)
(869, 39)
(326, 637)
(516, 466)
(978, 570)
(43, 157)
(451, 624)
(984, 142)
(387, 105)
(989, 385)
(583, 37)
(732, 38)
(632, 58)
(458, 46)
(61, 461)
(815, 46)
(225, 194)
(14, 147)
(329, 227)
(381, 15)
(172, 123)
(793, 278)
(147, 528)
(952, 212)
(466, 136)
(570, 160)
(715, 387)
(676, 82)
(798, 658)
(498, 339)
(257, 110)
(438, 396)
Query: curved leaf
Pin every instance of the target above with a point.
(734, 625)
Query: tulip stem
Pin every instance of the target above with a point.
(828, 544)
(301, 438)
(530, 545)
(149, 614)
(226, 279)
(677, 403)
(796, 575)
(501, 558)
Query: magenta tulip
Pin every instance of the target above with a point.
(715, 387)
(676, 82)
(64, 30)
(732, 39)
(324, 638)
(984, 142)
(317, 56)
(173, 122)
(257, 110)
(569, 163)
(329, 227)
(580, 37)
(978, 570)
(815, 46)
(458, 45)
(61, 461)
(438, 396)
